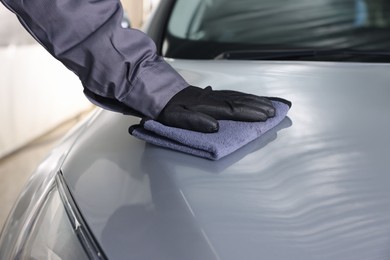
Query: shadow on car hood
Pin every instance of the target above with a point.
(315, 187)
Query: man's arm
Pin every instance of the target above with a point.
(120, 70)
(118, 67)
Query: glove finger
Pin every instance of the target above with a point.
(238, 95)
(267, 108)
(246, 112)
(250, 99)
(190, 120)
(232, 111)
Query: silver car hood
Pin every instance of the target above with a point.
(315, 187)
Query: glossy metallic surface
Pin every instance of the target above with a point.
(315, 187)
(30, 203)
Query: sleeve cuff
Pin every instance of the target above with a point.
(152, 89)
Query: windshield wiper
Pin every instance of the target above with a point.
(331, 54)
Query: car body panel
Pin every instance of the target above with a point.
(33, 196)
(315, 187)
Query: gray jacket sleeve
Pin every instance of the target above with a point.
(118, 67)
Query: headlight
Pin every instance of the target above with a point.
(56, 230)
(52, 236)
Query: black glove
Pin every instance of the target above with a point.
(199, 109)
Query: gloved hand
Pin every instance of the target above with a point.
(198, 109)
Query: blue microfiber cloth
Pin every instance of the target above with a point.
(231, 136)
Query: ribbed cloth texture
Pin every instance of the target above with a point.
(231, 136)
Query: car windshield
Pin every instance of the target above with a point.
(347, 30)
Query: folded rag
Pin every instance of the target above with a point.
(231, 136)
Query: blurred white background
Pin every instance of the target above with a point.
(38, 92)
